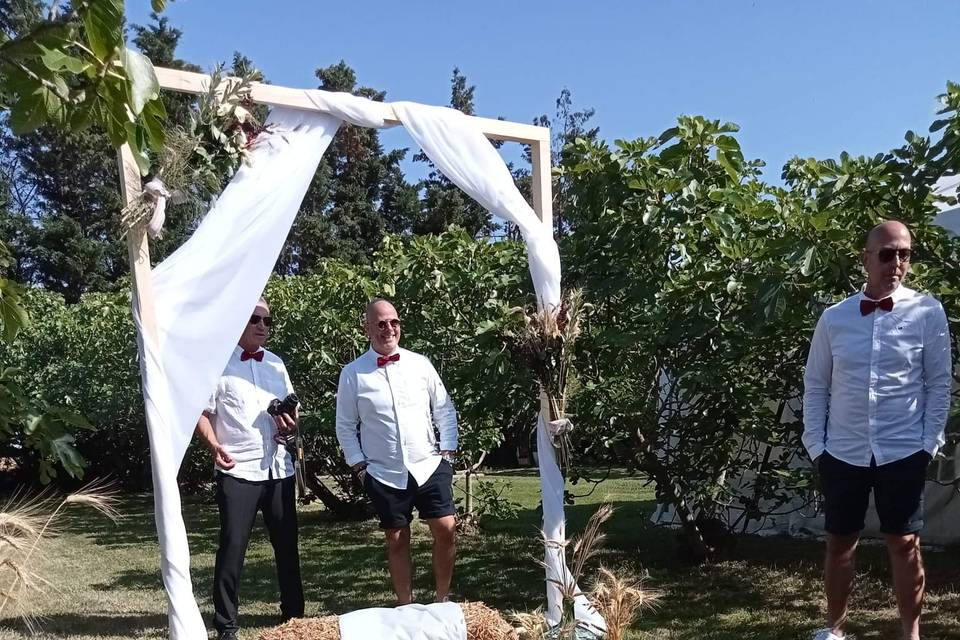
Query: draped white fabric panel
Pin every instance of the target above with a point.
(204, 294)
(205, 291)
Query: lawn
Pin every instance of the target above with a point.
(107, 577)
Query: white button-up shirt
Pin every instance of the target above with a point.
(240, 420)
(878, 385)
(386, 417)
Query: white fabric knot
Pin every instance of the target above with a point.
(559, 428)
(155, 190)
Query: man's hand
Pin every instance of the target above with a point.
(221, 458)
(449, 456)
(286, 425)
(360, 470)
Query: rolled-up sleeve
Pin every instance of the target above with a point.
(937, 379)
(348, 418)
(443, 410)
(816, 390)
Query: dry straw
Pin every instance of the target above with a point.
(25, 524)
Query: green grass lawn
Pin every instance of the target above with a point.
(108, 585)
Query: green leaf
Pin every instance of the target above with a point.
(12, 313)
(142, 83)
(103, 26)
(158, 5)
(29, 112)
(809, 261)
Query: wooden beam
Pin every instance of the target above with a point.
(138, 248)
(190, 82)
(541, 186)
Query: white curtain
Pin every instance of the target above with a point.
(204, 293)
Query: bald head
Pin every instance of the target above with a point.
(382, 326)
(886, 258)
(885, 232)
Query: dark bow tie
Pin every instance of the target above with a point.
(869, 306)
(246, 355)
(382, 360)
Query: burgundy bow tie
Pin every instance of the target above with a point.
(869, 306)
(246, 355)
(382, 360)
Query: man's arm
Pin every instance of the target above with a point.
(937, 379)
(348, 417)
(444, 412)
(816, 390)
(205, 430)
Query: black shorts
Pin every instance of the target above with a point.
(897, 493)
(395, 506)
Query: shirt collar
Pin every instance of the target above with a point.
(896, 295)
(238, 350)
(372, 354)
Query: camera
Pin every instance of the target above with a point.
(288, 405)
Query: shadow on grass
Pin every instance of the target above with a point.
(766, 588)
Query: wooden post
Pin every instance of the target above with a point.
(542, 187)
(138, 248)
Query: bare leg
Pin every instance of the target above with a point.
(400, 563)
(908, 580)
(838, 570)
(444, 532)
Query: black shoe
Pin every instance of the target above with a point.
(227, 635)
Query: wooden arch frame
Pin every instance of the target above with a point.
(138, 247)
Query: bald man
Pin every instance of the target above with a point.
(391, 405)
(875, 405)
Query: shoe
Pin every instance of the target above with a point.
(828, 634)
(227, 635)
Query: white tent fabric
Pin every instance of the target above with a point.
(441, 621)
(204, 292)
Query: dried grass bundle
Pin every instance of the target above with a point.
(544, 345)
(325, 628)
(484, 623)
(620, 600)
(25, 523)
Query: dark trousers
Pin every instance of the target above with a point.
(238, 501)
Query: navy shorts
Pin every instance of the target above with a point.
(394, 506)
(897, 493)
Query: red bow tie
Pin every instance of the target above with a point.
(382, 360)
(869, 306)
(246, 355)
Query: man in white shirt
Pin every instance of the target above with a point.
(875, 405)
(254, 471)
(389, 400)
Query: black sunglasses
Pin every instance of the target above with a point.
(382, 325)
(887, 255)
(266, 320)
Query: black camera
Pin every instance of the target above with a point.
(288, 405)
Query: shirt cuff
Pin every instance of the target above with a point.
(448, 445)
(816, 451)
(356, 458)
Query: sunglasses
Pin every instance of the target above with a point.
(887, 255)
(393, 324)
(266, 320)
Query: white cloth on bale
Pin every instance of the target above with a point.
(439, 621)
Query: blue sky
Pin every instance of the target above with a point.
(808, 78)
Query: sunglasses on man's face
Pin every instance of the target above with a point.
(887, 255)
(257, 319)
(393, 324)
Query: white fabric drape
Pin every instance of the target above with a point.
(204, 293)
